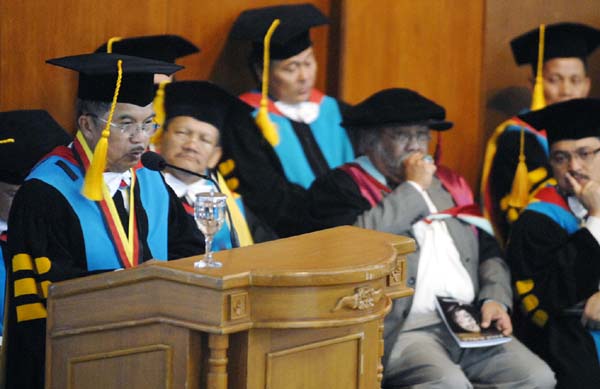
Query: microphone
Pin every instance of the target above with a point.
(156, 162)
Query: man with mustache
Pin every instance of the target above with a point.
(90, 207)
(195, 112)
(393, 187)
(564, 76)
(554, 248)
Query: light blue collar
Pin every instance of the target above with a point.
(364, 162)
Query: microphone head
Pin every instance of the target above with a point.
(153, 161)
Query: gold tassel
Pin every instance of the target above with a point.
(160, 116)
(110, 42)
(94, 179)
(269, 130)
(537, 99)
(519, 194)
(7, 140)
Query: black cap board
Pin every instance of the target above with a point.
(25, 137)
(569, 120)
(562, 40)
(291, 36)
(98, 76)
(165, 48)
(203, 101)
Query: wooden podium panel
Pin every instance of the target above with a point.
(301, 312)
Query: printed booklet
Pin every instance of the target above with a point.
(463, 321)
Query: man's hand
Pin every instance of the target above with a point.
(588, 194)
(418, 170)
(591, 311)
(494, 311)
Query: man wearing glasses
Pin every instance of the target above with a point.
(73, 217)
(393, 187)
(554, 248)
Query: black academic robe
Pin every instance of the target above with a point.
(43, 224)
(502, 174)
(564, 270)
(258, 175)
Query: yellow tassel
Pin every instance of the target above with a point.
(537, 99)
(7, 140)
(519, 194)
(94, 179)
(110, 42)
(159, 112)
(269, 130)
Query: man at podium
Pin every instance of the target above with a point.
(88, 207)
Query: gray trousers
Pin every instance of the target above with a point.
(430, 358)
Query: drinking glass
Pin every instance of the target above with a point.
(209, 212)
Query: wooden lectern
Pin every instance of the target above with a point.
(301, 312)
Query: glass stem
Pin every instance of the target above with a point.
(208, 239)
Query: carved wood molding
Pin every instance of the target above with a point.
(364, 298)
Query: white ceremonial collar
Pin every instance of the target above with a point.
(113, 180)
(304, 112)
(188, 191)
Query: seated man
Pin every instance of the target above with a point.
(56, 232)
(554, 248)
(25, 137)
(195, 112)
(394, 187)
(307, 139)
(564, 76)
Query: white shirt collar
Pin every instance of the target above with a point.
(304, 112)
(3, 225)
(113, 180)
(188, 191)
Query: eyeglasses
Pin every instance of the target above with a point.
(148, 127)
(561, 158)
(404, 138)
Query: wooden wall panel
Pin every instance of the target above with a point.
(32, 31)
(433, 47)
(506, 86)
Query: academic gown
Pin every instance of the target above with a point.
(337, 199)
(503, 164)
(43, 224)
(554, 269)
(253, 168)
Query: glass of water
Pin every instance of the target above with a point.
(209, 212)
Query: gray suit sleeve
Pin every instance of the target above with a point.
(397, 212)
(494, 275)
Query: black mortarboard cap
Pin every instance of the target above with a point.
(165, 48)
(562, 40)
(202, 100)
(573, 119)
(98, 76)
(26, 136)
(396, 106)
(290, 38)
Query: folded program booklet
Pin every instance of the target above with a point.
(463, 320)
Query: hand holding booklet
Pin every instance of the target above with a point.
(463, 320)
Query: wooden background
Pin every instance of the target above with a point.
(453, 51)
